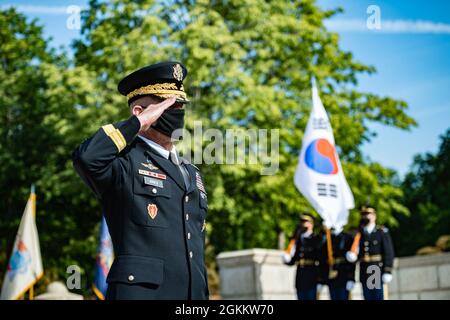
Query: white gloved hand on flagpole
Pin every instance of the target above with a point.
(286, 258)
(350, 285)
(351, 256)
(387, 277)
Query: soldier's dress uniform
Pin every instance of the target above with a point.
(154, 211)
(342, 270)
(306, 255)
(375, 249)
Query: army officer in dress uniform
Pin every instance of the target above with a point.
(375, 252)
(154, 202)
(304, 251)
(340, 275)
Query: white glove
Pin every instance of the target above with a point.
(286, 258)
(351, 256)
(350, 285)
(387, 277)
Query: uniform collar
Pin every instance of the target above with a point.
(307, 234)
(158, 148)
(369, 228)
(337, 230)
(160, 157)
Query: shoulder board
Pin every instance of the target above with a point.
(187, 162)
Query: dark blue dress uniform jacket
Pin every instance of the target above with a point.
(156, 225)
(307, 258)
(341, 243)
(375, 249)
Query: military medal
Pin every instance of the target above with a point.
(152, 174)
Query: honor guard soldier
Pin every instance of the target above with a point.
(339, 274)
(373, 248)
(154, 202)
(304, 251)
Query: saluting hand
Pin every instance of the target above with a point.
(152, 112)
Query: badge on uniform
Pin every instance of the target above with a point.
(152, 210)
(152, 174)
(198, 180)
(153, 182)
(150, 166)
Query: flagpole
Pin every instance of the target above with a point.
(33, 206)
(332, 273)
(33, 199)
(31, 293)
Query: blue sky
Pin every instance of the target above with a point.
(412, 64)
(411, 53)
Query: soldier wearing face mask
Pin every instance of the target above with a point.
(304, 251)
(373, 248)
(154, 201)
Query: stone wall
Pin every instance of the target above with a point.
(260, 274)
(421, 278)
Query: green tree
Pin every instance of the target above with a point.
(426, 190)
(38, 123)
(250, 65)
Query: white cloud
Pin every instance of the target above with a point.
(339, 25)
(30, 9)
(388, 26)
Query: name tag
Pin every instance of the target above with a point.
(153, 182)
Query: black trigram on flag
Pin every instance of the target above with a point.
(327, 190)
(320, 123)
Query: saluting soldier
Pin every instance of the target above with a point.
(304, 251)
(154, 202)
(373, 248)
(339, 274)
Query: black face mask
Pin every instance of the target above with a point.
(303, 227)
(169, 121)
(364, 221)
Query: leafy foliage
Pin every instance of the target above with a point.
(250, 65)
(426, 191)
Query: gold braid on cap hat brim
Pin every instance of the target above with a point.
(368, 210)
(162, 90)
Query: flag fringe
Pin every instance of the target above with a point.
(98, 293)
(29, 286)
